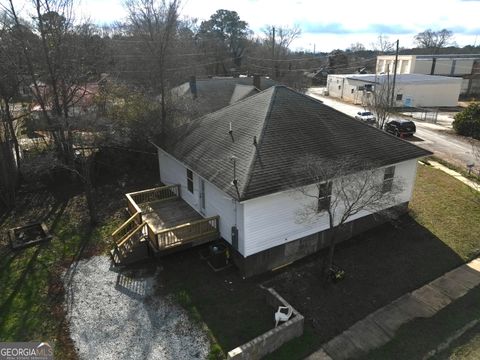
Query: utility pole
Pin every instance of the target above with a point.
(394, 75)
(273, 51)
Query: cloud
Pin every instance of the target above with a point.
(463, 30)
(331, 28)
(340, 29)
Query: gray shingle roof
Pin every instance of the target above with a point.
(216, 93)
(288, 126)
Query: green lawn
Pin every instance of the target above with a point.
(446, 207)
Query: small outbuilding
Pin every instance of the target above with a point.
(411, 90)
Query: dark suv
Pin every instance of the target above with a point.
(400, 127)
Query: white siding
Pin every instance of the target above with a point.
(341, 87)
(425, 95)
(216, 201)
(273, 220)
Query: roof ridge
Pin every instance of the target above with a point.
(237, 102)
(260, 138)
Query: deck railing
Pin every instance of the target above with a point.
(127, 227)
(136, 199)
(187, 232)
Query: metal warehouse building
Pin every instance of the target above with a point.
(411, 90)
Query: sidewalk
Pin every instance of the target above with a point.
(379, 327)
(456, 175)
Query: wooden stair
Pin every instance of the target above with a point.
(127, 239)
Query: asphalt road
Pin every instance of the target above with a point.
(432, 137)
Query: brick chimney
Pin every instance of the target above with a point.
(257, 81)
(193, 86)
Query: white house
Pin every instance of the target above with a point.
(463, 66)
(410, 89)
(238, 163)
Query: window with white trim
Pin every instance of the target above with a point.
(324, 196)
(190, 180)
(388, 176)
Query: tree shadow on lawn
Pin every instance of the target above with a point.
(381, 265)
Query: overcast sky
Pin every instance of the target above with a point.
(331, 24)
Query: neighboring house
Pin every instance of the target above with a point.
(411, 90)
(204, 96)
(235, 167)
(317, 77)
(463, 66)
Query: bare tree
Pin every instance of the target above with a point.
(434, 40)
(58, 71)
(342, 188)
(155, 24)
(377, 99)
(278, 39)
(383, 44)
(356, 47)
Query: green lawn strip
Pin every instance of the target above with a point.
(466, 347)
(445, 207)
(31, 296)
(298, 348)
(416, 338)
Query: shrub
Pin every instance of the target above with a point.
(467, 122)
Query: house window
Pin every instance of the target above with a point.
(190, 180)
(368, 87)
(388, 179)
(339, 87)
(324, 196)
(399, 97)
(353, 90)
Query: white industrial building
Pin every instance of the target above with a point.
(464, 66)
(411, 90)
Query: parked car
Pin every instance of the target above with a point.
(365, 116)
(400, 127)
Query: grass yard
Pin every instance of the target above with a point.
(446, 207)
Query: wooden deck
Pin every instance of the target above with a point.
(167, 220)
(168, 214)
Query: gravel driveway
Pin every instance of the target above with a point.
(113, 316)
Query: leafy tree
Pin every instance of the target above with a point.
(430, 39)
(467, 122)
(225, 28)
